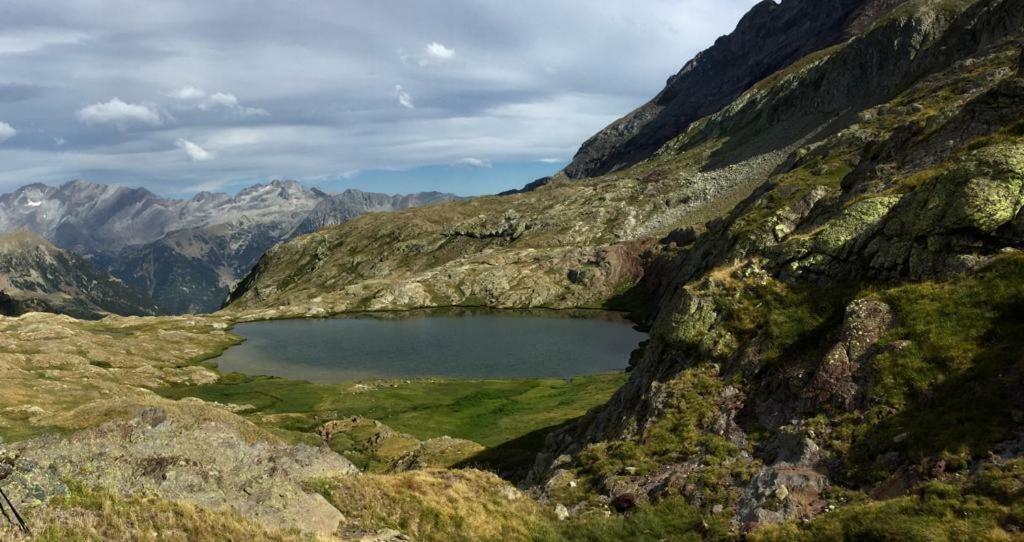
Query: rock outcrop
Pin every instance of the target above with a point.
(207, 457)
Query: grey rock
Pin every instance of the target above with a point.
(200, 454)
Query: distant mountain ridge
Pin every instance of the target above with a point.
(85, 216)
(37, 276)
(184, 253)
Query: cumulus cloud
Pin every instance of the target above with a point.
(6, 131)
(438, 51)
(404, 99)
(196, 98)
(194, 152)
(118, 113)
(474, 163)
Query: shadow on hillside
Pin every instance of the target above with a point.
(963, 417)
(513, 460)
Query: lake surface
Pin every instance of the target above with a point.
(489, 345)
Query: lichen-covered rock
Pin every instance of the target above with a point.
(508, 226)
(951, 222)
(697, 325)
(441, 452)
(782, 492)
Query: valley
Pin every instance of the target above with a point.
(183, 256)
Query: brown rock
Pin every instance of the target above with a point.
(836, 380)
(624, 503)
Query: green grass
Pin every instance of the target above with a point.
(669, 519)
(509, 416)
(989, 507)
(955, 387)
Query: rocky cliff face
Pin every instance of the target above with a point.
(87, 217)
(769, 38)
(37, 276)
(352, 203)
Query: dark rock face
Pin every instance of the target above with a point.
(530, 187)
(770, 37)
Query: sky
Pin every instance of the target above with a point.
(463, 96)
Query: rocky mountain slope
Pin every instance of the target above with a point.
(829, 261)
(185, 254)
(769, 38)
(37, 276)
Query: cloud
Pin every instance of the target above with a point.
(31, 39)
(188, 92)
(19, 92)
(474, 163)
(439, 52)
(404, 99)
(118, 113)
(527, 81)
(6, 131)
(194, 152)
(432, 53)
(197, 98)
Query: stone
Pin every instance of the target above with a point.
(561, 512)
(385, 535)
(782, 492)
(153, 416)
(837, 380)
(626, 502)
(198, 453)
(7, 460)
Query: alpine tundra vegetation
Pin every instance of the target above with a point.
(818, 221)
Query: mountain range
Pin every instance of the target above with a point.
(184, 254)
